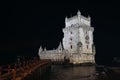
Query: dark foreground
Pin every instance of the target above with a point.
(59, 72)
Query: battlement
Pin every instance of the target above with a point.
(77, 19)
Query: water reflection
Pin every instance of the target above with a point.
(59, 72)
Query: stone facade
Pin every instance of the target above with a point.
(54, 55)
(78, 45)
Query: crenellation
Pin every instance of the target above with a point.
(78, 19)
(85, 18)
(72, 18)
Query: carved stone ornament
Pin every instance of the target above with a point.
(87, 37)
(79, 44)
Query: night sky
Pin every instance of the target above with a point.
(31, 24)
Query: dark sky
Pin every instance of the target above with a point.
(31, 24)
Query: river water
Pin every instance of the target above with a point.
(60, 72)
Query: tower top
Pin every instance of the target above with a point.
(77, 19)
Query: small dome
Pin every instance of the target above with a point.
(79, 13)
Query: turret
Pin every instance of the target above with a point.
(66, 19)
(89, 18)
(40, 50)
(79, 14)
(45, 49)
(93, 49)
(60, 48)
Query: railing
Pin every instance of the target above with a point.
(20, 70)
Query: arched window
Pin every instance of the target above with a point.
(71, 46)
(87, 46)
(79, 45)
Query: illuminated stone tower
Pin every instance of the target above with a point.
(77, 46)
(78, 39)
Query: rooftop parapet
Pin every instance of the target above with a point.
(77, 19)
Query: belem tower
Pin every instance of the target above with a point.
(77, 45)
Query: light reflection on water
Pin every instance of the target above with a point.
(73, 73)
